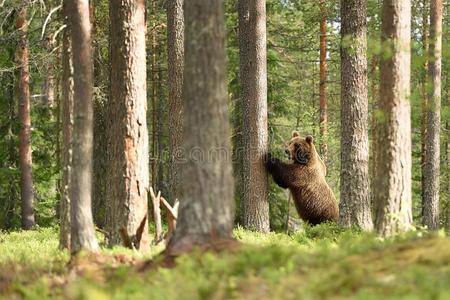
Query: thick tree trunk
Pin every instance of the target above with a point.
(206, 206)
(323, 103)
(393, 174)
(82, 225)
(26, 175)
(355, 200)
(67, 127)
(253, 81)
(432, 141)
(128, 168)
(175, 49)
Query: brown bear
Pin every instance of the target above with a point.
(305, 178)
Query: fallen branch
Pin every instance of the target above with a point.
(171, 213)
(157, 215)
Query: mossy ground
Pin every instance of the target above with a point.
(324, 262)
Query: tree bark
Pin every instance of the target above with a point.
(355, 206)
(432, 141)
(128, 167)
(206, 205)
(253, 82)
(25, 159)
(175, 52)
(82, 225)
(67, 127)
(393, 173)
(323, 102)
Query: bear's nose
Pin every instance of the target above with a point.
(286, 151)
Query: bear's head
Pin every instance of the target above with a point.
(300, 150)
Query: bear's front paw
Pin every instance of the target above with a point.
(270, 161)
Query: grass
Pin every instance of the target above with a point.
(323, 262)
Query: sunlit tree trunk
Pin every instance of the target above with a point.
(354, 206)
(128, 167)
(175, 54)
(206, 204)
(323, 102)
(82, 225)
(25, 160)
(432, 141)
(392, 193)
(253, 84)
(67, 127)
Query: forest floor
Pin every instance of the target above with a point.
(324, 262)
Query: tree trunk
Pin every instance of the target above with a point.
(447, 149)
(101, 150)
(67, 127)
(432, 141)
(206, 206)
(374, 129)
(48, 86)
(393, 173)
(323, 102)
(175, 49)
(82, 225)
(161, 104)
(424, 97)
(355, 200)
(154, 160)
(128, 180)
(253, 81)
(26, 175)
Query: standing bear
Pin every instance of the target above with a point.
(305, 178)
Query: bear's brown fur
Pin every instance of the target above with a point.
(305, 178)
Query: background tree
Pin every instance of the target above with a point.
(175, 52)
(26, 174)
(67, 127)
(424, 95)
(323, 102)
(432, 141)
(82, 225)
(206, 204)
(355, 208)
(392, 193)
(253, 87)
(128, 167)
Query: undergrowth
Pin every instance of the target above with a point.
(322, 262)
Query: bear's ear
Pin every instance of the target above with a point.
(309, 139)
(295, 134)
